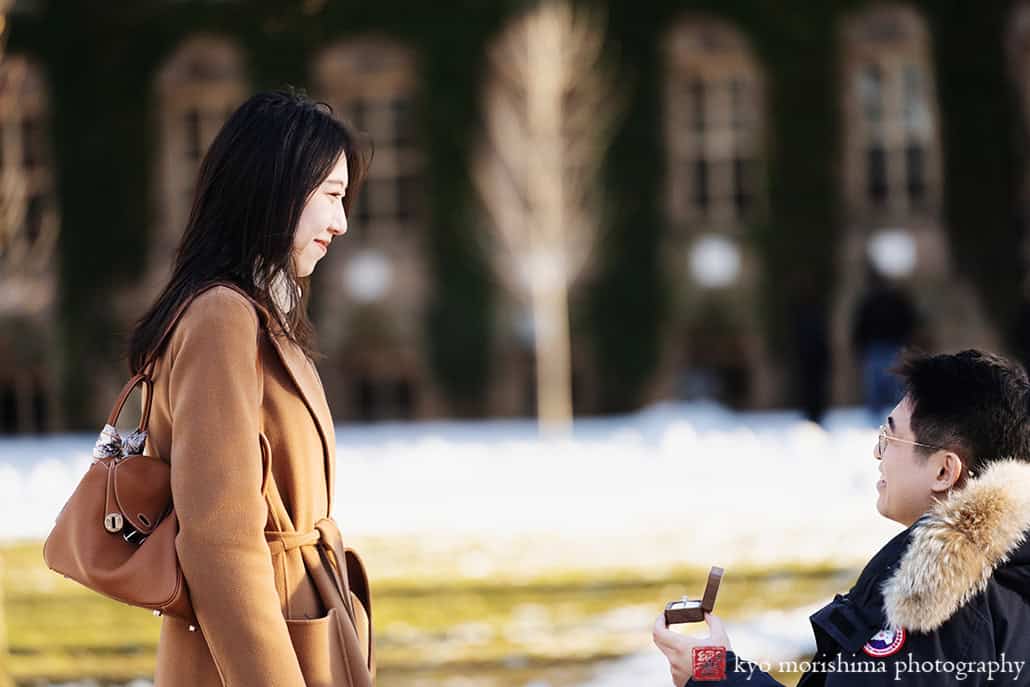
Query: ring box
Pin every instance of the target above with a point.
(692, 610)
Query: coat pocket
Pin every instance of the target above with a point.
(320, 651)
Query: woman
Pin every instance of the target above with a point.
(240, 415)
(947, 601)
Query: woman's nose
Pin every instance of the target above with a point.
(339, 226)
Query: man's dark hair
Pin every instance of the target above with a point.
(972, 402)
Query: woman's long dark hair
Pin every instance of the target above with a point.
(254, 181)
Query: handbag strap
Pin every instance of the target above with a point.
(148, 396)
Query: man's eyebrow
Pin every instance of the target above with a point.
(890, 423)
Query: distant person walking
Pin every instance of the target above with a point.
(884, 324)
(811, 348)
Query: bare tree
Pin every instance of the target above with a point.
(549, 110)
(12, 216)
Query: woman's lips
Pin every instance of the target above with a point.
(881, 484)
(324, 246)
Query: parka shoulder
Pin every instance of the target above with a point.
(957, 547)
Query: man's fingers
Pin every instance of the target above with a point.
(715, 624)
(664, 637)
(717, 630)
(676, 648)
(672, 655)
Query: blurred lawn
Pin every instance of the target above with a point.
(490, 632)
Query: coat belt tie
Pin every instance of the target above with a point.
(327, 539)
(343, 564)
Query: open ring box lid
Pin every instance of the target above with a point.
(691, 610)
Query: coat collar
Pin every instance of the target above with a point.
(956, 547)
(305, 377)
(850, 620)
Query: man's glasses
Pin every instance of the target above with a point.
(881, 444)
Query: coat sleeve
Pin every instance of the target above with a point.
(216, 472)
(739, 673)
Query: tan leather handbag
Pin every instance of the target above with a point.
(116, 534)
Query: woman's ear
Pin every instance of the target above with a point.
(949, 471)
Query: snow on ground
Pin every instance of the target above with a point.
(673, 484)
(766, 639)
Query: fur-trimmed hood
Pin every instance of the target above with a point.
(957, 546)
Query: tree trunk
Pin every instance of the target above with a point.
(553, 360)
(547, 237)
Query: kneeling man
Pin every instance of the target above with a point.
(947, 601)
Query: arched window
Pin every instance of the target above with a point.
(199, 86)
(714, 122)
(375, 327)
(713, 127)
(892, 165)
(891, 171)
(29, 227)
(28, 211)
(371, 83)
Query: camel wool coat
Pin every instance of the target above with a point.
(242, 419)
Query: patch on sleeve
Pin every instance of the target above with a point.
(886, 642)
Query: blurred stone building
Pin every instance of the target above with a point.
(29, 229)
(716, 124)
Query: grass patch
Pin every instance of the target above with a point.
(490, 632)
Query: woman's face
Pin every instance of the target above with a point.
(322, 219)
